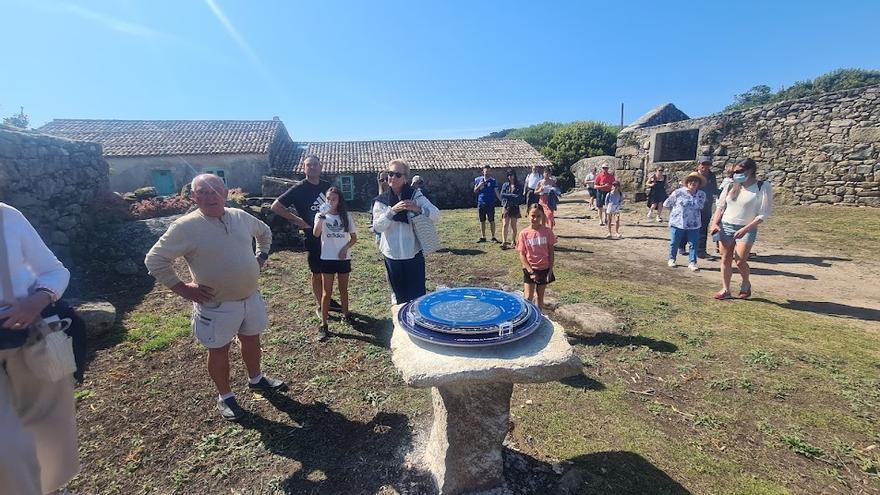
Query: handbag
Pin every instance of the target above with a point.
(425, 232)
(48, 352)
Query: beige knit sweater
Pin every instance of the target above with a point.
(218, 252)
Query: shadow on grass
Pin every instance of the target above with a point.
(372, 330)
(329, 453)
(617, 472)
(582, 382)
(827, 308)
(615, 340)
(754, 270)
(779, 259)
(584, 237)
(461, 252)
(564, 249)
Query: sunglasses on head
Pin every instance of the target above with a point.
(395, 174)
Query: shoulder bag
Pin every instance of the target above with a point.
(425, 232)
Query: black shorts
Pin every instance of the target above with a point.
(540, 277)
(487, 212)
(511, 212)
(600, 198)
(335, 266)
(313, 246)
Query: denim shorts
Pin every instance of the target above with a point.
(728, 230)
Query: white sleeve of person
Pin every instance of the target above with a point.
(766, 207)
(382, 215)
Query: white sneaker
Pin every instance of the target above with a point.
(693, 267)
(659, 219)
(619, 236)
(608, 236)
(670, 263)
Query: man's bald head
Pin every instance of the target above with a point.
(209, 194)
(207, 180)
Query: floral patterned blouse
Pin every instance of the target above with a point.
(685, 208)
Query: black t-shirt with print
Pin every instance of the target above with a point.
(307, 199)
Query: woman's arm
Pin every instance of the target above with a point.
(50, 273)
(319, 222)
(382, 217)
(670, 201)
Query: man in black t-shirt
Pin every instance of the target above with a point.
(307, 197)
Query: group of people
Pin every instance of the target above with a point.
(606, 198)
(741, 203)
(225, 249)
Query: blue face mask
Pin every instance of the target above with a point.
(739, 178)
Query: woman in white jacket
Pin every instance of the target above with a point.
(38, 445)
(392, 209)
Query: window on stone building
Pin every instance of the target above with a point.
(676, 145)
(346, 185)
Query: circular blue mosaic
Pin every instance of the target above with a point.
(469, 317)
(470, 307)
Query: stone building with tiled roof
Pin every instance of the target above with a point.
(167, 154)
(448, 166)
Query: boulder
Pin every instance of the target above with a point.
(99, 317)
(588, 317)
(126, 266)
(146, 193)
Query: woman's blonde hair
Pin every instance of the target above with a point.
(398, 161)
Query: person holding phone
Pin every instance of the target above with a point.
(486, 189)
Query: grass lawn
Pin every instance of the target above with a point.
(853, 232)
(690, 396)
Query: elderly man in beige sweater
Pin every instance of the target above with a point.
(216, 241)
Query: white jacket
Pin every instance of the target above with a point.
(398, 242)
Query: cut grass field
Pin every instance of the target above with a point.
(852, 232)
(688, 395)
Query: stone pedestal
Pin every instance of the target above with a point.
(471, 389)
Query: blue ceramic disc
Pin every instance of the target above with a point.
(484, 325)
(468, 310)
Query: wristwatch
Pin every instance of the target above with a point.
(53, 298)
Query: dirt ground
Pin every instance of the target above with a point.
(796, 278)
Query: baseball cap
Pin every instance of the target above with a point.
(704, 159)
(604, 165)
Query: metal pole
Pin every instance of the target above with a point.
(621, 114)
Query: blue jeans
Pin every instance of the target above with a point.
(677, 236)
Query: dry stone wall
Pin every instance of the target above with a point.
(54, 182)
(819, 149)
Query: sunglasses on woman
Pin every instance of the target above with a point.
(395, 174)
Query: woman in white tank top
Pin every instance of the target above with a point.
(742, 206)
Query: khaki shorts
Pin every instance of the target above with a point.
(215, 324)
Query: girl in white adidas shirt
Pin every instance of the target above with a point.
(337, 232)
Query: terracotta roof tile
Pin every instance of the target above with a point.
(442, 154)
(170, 137)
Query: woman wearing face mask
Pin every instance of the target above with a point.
(742, 206)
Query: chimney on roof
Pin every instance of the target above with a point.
(275, 118)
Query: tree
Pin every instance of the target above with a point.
(758, 95)
(537, 135)
(837, 80)
(578, 140)
(19, 119)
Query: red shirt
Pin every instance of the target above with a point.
(535, 244)
(604, 181)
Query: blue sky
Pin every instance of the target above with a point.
(334, 70)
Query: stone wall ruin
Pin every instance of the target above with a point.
(819, 149)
